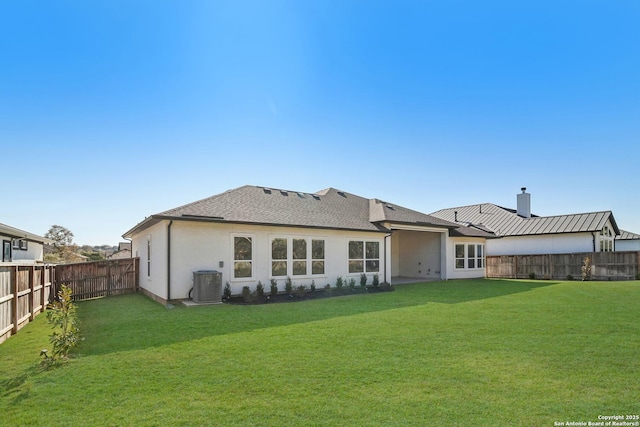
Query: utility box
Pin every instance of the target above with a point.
(207, 286)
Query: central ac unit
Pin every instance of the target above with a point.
(207, 286)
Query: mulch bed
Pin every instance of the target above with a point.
(283, 297)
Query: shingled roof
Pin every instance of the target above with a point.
(506, 222)
(329, 208)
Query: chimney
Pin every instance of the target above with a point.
(524, 203)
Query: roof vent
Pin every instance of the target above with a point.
(301, 195)
(315, 196)
(390, 207)
(341, 193)
(266, 190)
(284, 193)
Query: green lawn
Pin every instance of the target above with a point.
(477, 352)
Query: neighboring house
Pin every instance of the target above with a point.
(253, 234)
(124, 251)
(521, 233)
(627, 241)
(20, 246)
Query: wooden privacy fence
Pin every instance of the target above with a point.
(25, 291)
(99, 278)
(604, 266)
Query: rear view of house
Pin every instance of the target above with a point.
(253, 234)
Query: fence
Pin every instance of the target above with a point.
(604, 266)
(25, 291)
(99, 278)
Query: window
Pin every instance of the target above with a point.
(364, 257)
(606, 239)
(296, 256)
(468, 255)
(242, 257)
(149, 257)
(299, 257)
(279, 257)
(317, 257)
(6, 250)
(23, 245)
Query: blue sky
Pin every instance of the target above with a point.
(113, 111)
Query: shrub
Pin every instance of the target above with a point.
(386, 287)
(260, 289)
(327, 288)
(274, 287)
(569, 277)
(246, 294)
(638, 276)
(363, 280)
(288, 285)
(300, 291)
(313, 286)
(532, 275)
(226, 294)
(63, 319)
(376, 281)
(586, 269)
(352, 283)
(339, 283)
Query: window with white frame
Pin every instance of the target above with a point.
(296, 256)
(606, 239)
(242, 257)
(364, 256)
(469, 255)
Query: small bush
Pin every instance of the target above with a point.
(327, 288)
(363, 280)
(226, 293)
(376, 281)
(532, 275)
(638, 276)
(246, 294)
(260, 290)
(569, 277)
(339, 283)
(386, 287)
(288, 285)
(352, 283)
(313, 286)
(300, 291)
(274, 287)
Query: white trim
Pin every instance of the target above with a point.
(289, 257)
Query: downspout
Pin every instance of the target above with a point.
(593, 233)
(169, 260)
(385, 258)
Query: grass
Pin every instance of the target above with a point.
(476, 352)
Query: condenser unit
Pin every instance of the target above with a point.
(207, 286)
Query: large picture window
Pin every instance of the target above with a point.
(469, 256)
(242, 257)
(606, 239)
(296, 256)
(364, 257)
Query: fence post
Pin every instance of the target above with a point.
(14, 302)
(32, 291)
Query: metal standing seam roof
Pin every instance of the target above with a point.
(506, 222)
(329, 208)
(628, 235)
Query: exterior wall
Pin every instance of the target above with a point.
(209, 246)
(416, 254)
(627, 245)
(542, 244)
(34, 252)
(153, 280)
(466, 273)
